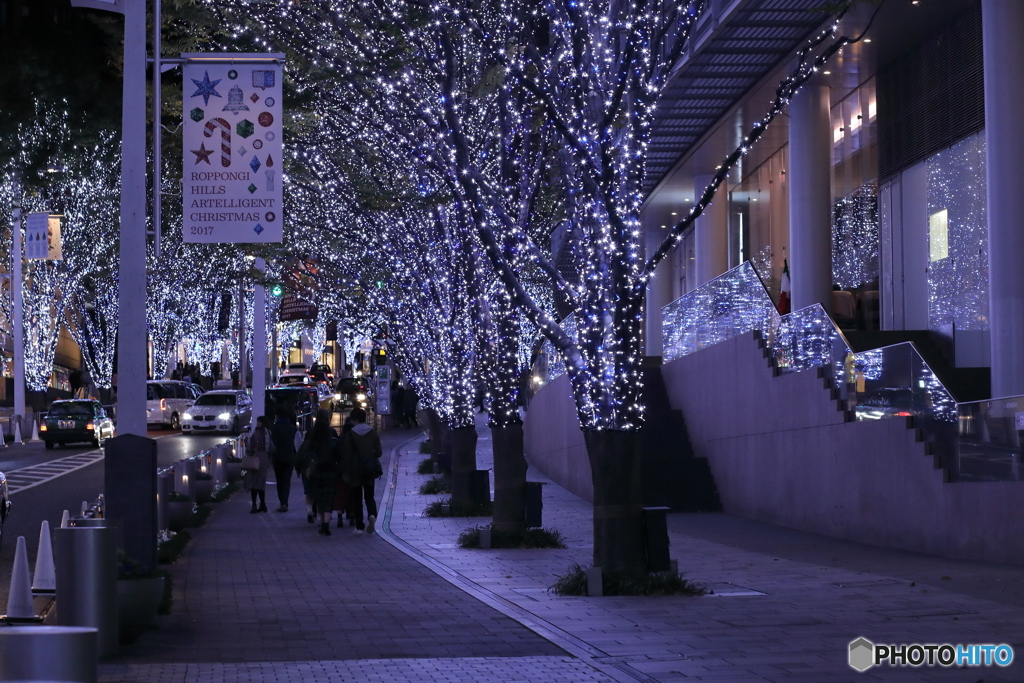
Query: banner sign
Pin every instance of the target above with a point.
(42, 236)
(293, 308)
(231, 173)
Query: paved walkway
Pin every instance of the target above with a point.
(263, 597)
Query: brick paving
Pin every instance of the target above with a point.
(263, 597)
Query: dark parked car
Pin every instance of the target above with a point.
(76, 420)
(302, 400)
(351, 392)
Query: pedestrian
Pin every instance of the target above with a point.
(360, 457)
(283, 458)
(319, 454)
(341, 492)
(255, 481)
(409, 401)
(396, 403)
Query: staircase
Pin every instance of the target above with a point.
(965, 384)
(672, 476)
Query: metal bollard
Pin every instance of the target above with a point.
(86, 564)
(48, 653)
(164, 486)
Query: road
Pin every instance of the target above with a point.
(49, 499)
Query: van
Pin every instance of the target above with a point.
(167, 401)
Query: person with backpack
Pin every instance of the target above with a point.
(319, 455)
(360, 458)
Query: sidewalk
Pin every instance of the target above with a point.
(263, 597)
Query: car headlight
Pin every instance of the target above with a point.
(361, 397)
(337, 397)
(224, 416)
(186, 416)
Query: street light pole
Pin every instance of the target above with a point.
(17, 315)
(131, 337)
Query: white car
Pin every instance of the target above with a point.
(166, 401)
(218, 411)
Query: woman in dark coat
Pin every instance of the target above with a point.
(318, 452)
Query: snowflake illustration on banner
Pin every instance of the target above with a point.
(206, 88)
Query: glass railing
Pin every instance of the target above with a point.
(893, 381)
(731, 305)
(989, 443)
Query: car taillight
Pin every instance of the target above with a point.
(90, 426)
(904, 413)
(163, 404)
(42, 427)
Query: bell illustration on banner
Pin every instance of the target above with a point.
(235, 103)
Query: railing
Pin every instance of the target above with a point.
(989, 443)
(893, 381)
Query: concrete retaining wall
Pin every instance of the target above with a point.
(780, 452)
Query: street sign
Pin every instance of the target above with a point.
(232, 154)
(42, 236)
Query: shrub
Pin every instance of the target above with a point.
(175, 497)
(426, 466)
(171, 549)
(624, 583)
(436, 485)
(426, 447)
(204, 476)
(457, 509)
(224, 492)
(199, 516)
(527, 538)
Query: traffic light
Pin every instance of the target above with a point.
(276, 289)
(379, 356)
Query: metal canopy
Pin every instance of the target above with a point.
(739, 53)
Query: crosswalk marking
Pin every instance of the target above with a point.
(34, 475)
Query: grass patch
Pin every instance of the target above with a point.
(621, 583)
(225, 492)
(170, 550)
(199, 516)
(426, 466)
(527, 538)
(436, 485)
(426, 447)
(457, 509)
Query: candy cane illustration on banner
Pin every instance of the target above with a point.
(225, 138)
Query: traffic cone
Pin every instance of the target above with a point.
(65, 520)
(19, 601)
(17, 431)
(3, 441)
(35, 431)
(44, 581)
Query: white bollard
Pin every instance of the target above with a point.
(19, 601)
(65, 520)
(44, 581)
(85, 508)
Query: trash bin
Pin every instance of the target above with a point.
(534, 504)
(656, 538)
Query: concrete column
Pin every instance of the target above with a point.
(1002, 26)
(810, 197)
(711, 233)
(659, 292)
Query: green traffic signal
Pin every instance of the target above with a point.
(276, 290)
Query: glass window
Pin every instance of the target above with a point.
(958, 237)
(70, 409)
(216, 400)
